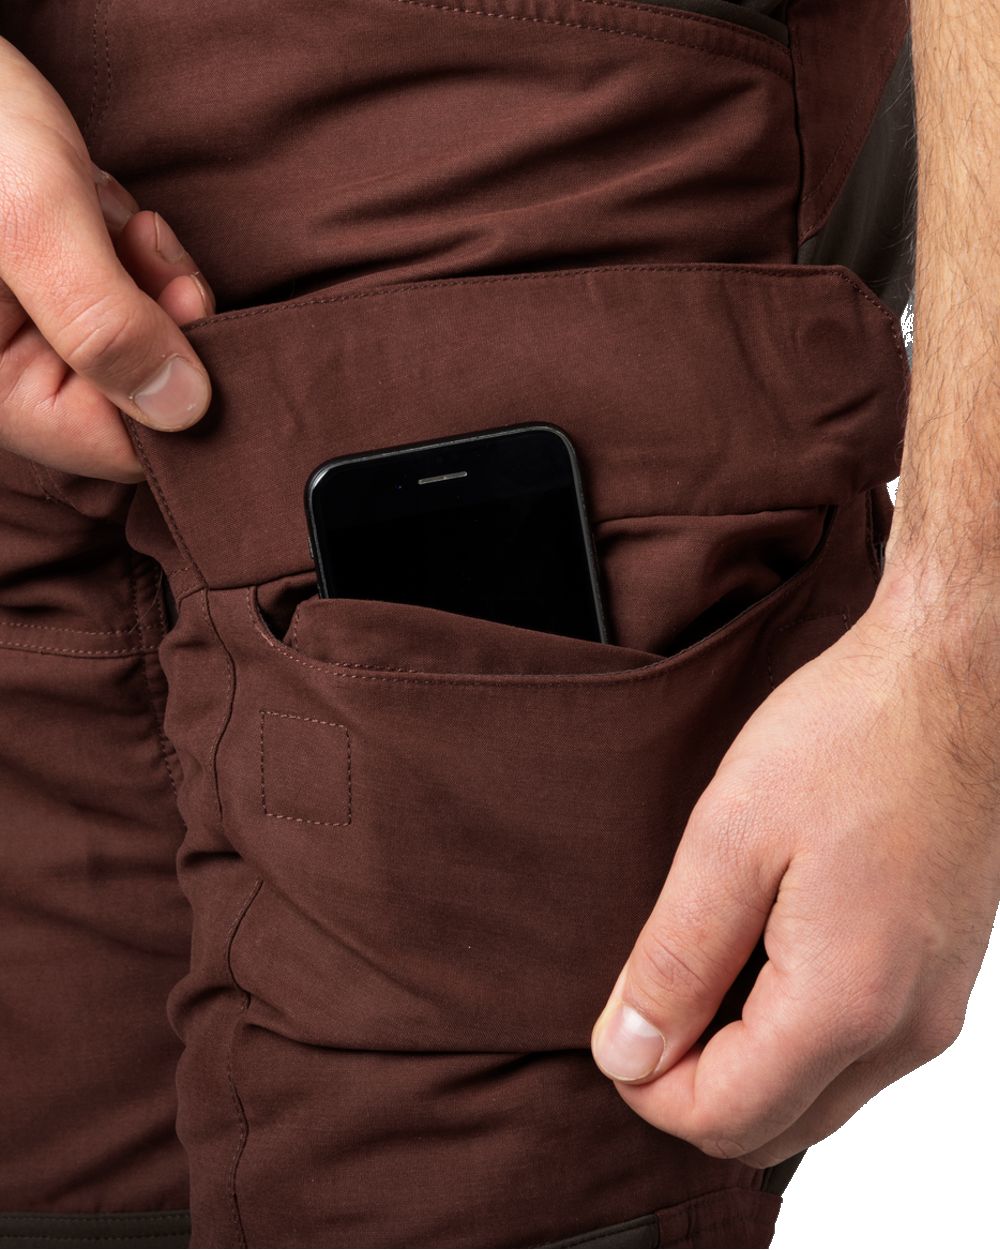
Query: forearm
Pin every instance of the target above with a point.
(944, 549)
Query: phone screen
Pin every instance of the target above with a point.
(490, 525)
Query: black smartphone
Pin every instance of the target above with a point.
(491, 525)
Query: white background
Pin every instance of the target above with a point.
(918, 1166)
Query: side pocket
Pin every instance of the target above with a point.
(466, 810)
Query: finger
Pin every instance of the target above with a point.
(154, 257)
(12, 316)
(59, 262)
(118, 206)
(706, 922)
(60, 420)
(757, 1076)
(914, 1043)
(186, 299)
(57, 419)
(846, 1095)
(152, 254)
(51, 416)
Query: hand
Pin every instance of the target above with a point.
(855, 821)
(90, 290)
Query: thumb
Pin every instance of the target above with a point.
(58, 260)
(704, 927)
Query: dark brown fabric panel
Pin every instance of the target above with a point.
(144, 1229)
(871, 227)
(843, 54)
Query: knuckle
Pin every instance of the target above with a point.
(868, 1022)
(11, 405)
(718, 1145)
(665, 967)
(933, 1037)
(718, 1132)
(870, 996)
(101, 335)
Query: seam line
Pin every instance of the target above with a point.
(602, 30)
(304, 820)
(655, 670)
(735, 270)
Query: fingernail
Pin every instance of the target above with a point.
(98, 174)
(207, 298)
(167, 243)
(174, 397)
(117, 211)
(626, 1046)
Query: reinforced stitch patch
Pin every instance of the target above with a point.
(305, 769)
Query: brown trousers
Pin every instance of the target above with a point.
(413, 849)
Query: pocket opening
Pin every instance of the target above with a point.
(312, 637)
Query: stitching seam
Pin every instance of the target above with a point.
(714, 23)
(750, 272)
(244, 1123)
(600, 30)
(229, 702)
(43, 1238)
(89, 654)
(100, 94)
(66, 629)
(846, 135)
(653, 671)
(85, 127)
(302, 820)
(735, 270)
(106, 98)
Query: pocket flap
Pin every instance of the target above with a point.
(701, 389)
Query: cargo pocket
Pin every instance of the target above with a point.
(446, 813)
(452, 813)
(444, 834)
